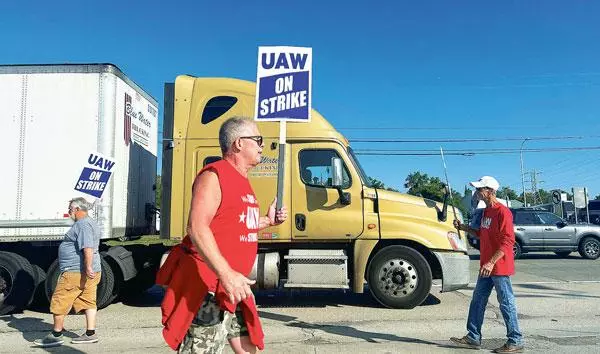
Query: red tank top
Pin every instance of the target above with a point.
(235, 225)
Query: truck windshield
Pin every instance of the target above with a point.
(361, 172)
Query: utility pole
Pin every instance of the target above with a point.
(535, 194)
(523, 173)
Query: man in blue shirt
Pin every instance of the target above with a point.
(79, 263)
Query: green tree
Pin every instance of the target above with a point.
(375, 183)
(508, 193)
(422, 185)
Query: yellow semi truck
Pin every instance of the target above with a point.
(341, 233)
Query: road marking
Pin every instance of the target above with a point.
(553, 282)
(540, 282)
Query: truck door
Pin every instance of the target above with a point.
(316, 212)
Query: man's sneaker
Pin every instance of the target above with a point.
(509, 348)
(465, 342)
(49, 341)
(84, 338)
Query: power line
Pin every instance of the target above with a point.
(449, 128)
(466, 152)
(465, 140)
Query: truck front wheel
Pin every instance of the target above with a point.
(399, 277)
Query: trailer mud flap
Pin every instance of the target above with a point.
(124, 259)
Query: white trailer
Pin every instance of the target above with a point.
(70, 131)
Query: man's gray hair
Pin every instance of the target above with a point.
(232, 129)
(80, 203)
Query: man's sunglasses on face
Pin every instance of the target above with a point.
(257, 138)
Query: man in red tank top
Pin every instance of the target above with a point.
(497, 264)
(222, 240)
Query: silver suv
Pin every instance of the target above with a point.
(543, 231)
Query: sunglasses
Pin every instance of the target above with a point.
(257, 138)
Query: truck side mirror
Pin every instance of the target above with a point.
(337, 180)
(336, 172)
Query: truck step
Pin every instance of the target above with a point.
(326, 269)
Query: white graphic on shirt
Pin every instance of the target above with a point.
(252, 219)
(252, 237)
(250, 216)
(486, 222)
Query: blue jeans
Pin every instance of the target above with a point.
(506, 299)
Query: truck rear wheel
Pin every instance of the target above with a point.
(16, 283)
(104, 293)
(399, 277)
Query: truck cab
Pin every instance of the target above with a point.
(342, 233)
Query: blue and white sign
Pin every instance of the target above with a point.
(283, 84)
(95, 174)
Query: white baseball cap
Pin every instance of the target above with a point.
(486, 182)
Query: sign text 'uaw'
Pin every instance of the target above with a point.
(95, 174)
(283, 84)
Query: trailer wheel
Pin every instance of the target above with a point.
(399, 277)
(38, 295)
(105, 287)
(104, 296)
(16, 282)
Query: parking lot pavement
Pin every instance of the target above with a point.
(557, 301)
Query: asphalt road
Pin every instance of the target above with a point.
(557, 299)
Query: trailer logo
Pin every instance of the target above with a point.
(127, 119)
(95, 175)
(139, 128)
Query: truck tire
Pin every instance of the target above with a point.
(39, 295)
(105, 287)
(589, 247)
(399, 277)
(104, 296)
(16, 282)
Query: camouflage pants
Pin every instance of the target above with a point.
(212, 328)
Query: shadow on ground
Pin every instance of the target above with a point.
(36, 328)
(285, 298)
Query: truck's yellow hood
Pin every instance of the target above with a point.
(414, 218)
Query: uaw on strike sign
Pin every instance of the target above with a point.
(283, 84)
(95, 174)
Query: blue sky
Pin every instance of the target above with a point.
(419, 70)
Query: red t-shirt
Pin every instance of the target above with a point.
(235, 225)
(497, 232)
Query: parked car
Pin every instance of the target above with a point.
(582, 214)
(543, 231)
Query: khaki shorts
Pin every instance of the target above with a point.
(212, 328)
(73, 291)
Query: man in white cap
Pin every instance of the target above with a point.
(497, 264)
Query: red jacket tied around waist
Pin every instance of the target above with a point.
(188, 278)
